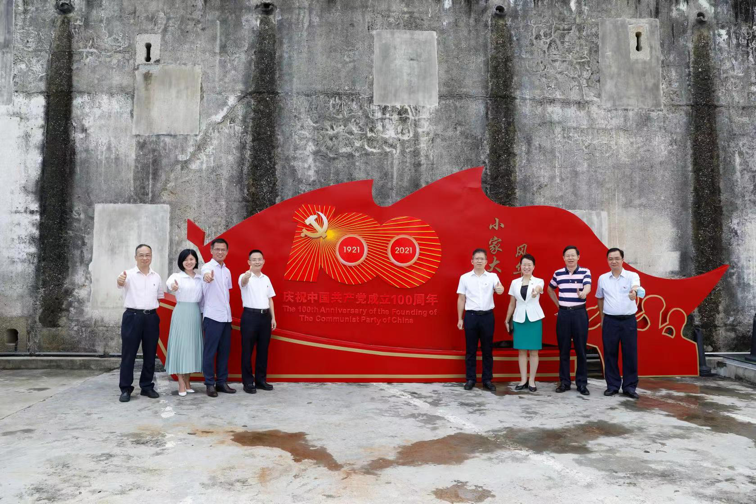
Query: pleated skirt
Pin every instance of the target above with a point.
(528, 335)
(185, 340)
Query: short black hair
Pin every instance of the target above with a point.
(568, 247)
(528, 257)
(184, 254)
(479, 250)
(255, 251)
(218, 240)
(140, 246)
(615, 249)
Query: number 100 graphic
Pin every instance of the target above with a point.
(353, 248)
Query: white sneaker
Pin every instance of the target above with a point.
(182, 394)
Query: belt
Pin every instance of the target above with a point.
(619, 317)
(479, 312)
(580, 307)
(262, 311)
(146, 312)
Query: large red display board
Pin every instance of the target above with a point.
(368, 293)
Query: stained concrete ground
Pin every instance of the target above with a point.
(64, 437)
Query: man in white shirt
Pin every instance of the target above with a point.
(217, 320)
(616, 294)
(257, 322)
(140, 324)
(475, 315)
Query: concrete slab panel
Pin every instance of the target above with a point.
(630, 63)
(118, 229)
(405, 68)
(6, 51)
(167, 100)
(598, 221)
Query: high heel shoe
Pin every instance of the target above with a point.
(190, 391)
(182, 394)
(521, 386)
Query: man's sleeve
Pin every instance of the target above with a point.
(636, 280)
(599, 290)
(512, 289)
(271, 292)
(587, 277)
(461, 286)
(161, 289)
(553, 283)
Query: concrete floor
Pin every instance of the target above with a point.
(685, 440)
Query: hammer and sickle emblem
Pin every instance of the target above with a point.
(320, 231)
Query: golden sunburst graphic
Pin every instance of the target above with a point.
(319, 231)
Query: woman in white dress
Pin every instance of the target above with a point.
(184, 355)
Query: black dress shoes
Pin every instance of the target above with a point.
(265, 386)
(250, 389)
(521, 386)
(583, 390)
(533, 388)
(610, 392)
(469, 384)
(562, 388)
(489, 386)
(211, 392)
(150, 393)
(125, 396)
(223, 387)
(631, 393)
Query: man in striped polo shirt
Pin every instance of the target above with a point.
(574, 285)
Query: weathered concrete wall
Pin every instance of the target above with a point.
(279, 98)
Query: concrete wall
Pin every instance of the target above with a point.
(259, 102)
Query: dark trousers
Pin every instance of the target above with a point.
(479, 327)
(255, 331)
(217, 341)
(572, 327)
(616, 332)
(138, 328)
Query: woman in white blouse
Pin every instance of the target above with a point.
(525, 293)
(184, 355)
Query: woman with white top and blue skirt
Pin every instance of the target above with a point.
(184, 355)
(525, 310)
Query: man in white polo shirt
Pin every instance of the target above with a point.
(475, 315)
(616, 295)
(257, 322)
(140, 324)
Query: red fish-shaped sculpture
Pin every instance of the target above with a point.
(368, 293)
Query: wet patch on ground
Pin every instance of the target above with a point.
(460, 492)
(697, 411)
(38, 389)
(294, 443)
(573, 439)
(15, 432)
(448, 450)
(715, 387)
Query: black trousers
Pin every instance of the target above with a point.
(572, 327)
(217, 341)
(479, 327)
(616, 332)
(138, 328)
(255, 331)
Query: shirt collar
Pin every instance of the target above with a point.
(623, 273)
(186, 275)
(484, 273)
(213, 263)
(577, 268)
(136, 268)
